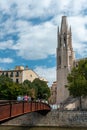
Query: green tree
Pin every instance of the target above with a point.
(41, 89)
(27, 87)
(77, 81)
(8, 89)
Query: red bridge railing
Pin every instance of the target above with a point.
(13, 108)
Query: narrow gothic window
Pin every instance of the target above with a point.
(59, 61)
(64, 38)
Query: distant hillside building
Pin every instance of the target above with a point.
(53, 90)
(19, 74)
(65, 59)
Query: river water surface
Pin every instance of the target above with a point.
(38, 128)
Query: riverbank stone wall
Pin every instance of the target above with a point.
(53, 118)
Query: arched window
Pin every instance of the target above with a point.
(64, 38)
(59, 60)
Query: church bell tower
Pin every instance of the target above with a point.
(65, 59)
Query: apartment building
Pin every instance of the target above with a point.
(19, 74)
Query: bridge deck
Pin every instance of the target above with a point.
(13, 108)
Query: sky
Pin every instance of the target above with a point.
(28, 33)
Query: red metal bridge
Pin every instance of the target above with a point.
(10, 109)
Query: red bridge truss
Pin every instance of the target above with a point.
(12, 109)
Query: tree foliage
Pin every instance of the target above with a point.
(77, 80)
(10, 90)
(28, 88)
(41, 88)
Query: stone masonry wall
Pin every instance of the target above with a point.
(53, 118)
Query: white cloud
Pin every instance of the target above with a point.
(6, 45)
(29, 8)
(6, 60)
(38, 41)
(79, 32)
(48, 73)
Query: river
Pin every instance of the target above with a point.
(38, 128)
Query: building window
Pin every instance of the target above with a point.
(17, 74)
(17, 81)
(31, 75)
(6, 74)
(11, 75)
(2, 73)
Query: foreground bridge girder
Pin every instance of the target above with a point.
(12, 109)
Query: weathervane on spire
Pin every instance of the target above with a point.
(65, 10)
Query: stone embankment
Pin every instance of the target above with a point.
(53, 118)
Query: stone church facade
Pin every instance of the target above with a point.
(65, 59)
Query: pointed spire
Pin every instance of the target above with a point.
(70, 30)
(58, 37)
(64, 24)
(58, 30)
(70, 38)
